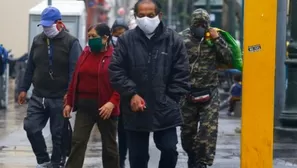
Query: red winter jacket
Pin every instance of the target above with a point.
(105, 92)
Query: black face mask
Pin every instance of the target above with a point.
(198, 32)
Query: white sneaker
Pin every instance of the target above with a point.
(44, 165)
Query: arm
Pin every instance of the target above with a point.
(75, 52)
(115, 99)
(5, 56)
(118, 71)
(25, 86)
(224, 54)
(178, 84)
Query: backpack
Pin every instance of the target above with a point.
(235, 49)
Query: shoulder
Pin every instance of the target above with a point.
(38, 37)
(174, 37)
(128, 35)
(71, 37)
(186, 35)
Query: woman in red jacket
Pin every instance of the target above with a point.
(91, 94)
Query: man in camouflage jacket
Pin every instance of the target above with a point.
(205, 54)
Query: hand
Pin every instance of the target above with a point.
(137, 103)
(106, 110)
(67, 111)
(22, 98)
(65, 100)
(213, 33)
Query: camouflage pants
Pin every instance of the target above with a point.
(200, 145)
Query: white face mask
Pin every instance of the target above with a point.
(51, 31)
(148, 25)
(114, 39)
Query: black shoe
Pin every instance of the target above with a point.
(201, 165)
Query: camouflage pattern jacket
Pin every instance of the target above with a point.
(204, 59)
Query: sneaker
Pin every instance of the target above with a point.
(44, 165)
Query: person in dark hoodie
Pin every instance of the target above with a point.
(52, 59)
(118, 28)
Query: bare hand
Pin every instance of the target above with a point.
(213, 33)
(22, 98)
(106, 110)
(137, 103)
(67, 111)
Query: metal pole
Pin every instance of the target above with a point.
(49, 2)
(169, 13)
(280, 73)
(208, 6)
(232, 20)
(258, 79)
(185, 9)
(241, 24)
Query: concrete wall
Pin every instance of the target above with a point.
(14, 19)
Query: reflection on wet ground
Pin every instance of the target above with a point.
(15, 150)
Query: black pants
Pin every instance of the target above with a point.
(123, 148)
(38, 113)
(138, 144)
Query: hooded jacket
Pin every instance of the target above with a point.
(203, 57)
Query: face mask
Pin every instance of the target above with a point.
(114, 39)
(51, 31)
(198, 32)
(95, 44)
(148, 25)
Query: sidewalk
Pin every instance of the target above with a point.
(15, 150)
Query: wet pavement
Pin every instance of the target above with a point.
(15, 150)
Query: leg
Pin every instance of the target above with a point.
(138, 145)
(166, 142)
(122, 142)
(189, 131)
(208, 131)
(34, 122)
(110, 153)
(83, 126)
(56, 127)
(232, 103)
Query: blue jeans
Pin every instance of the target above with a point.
(40, 110)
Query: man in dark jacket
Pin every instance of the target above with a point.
(150, 70)
(52, 59)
